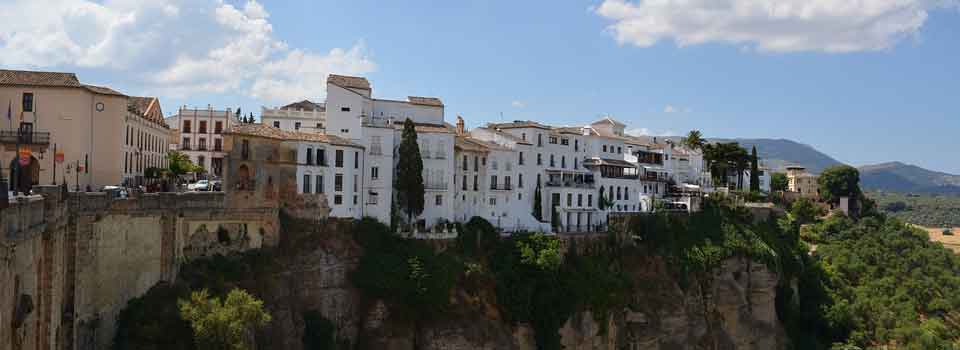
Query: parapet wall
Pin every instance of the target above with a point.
(70, 262)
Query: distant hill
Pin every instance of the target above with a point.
(778, 153)
(906, 178)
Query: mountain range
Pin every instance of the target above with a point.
(891, 176)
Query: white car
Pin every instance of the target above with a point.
(202, 185)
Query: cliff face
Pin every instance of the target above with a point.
(733, 308)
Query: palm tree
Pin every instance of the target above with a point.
(694, 140)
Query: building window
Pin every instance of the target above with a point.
(218, 127)
(338, 199)
(565, 141)
(618, 193)
(374, 173)
(218, 145)
(201, 162)
(306, 183)
(464, 162)
(520, 162)
(493, 182)
(319, 184)
(276, 124)
(553, 162)
(576, 145)
(523, 136)
(186, 143)
(484, 161)
(376, 147)
(202, 144)
(579, 199)
(345, 131)
(569, 200)
(476, 162)
(319, 126)
(604, 148)
(539, 140)
(438, 200)
(553, 140)
(463, 184)
(506, 182)
(28, 102)
(626, 193)
(338, 183)
(321, 157)
(563, 162)
(493, 200)
(245, 149)
(338, 162)
(296, 126)
(186, 126)
(575, 165)
(309, 156)
(203, 126)
(539, 159)
(589, 201)
(355, 184)
(619, 149)
(520, 180)
(344, 109)
(356, 160)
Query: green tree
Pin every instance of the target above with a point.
(804, 211)
(179, 163)
(238, 115)
(409, 179)
(541, 251)
(754, 171)
(778, 182)
(227, 324)
(839, 181)
(694, 140)
(538, 203)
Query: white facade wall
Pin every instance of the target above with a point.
(344, 201)
(378, 171)
(398, 111)
(198, 142)
(294, 120)
(345, 108)
(436, 150)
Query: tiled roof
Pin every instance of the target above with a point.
(507, 136)
(518, 124)
(608, 120)
(270, 132)
(426, 101)
(480, 145)
(139, 105)
(608, 161)
(305, 105)
(467, 144)
(569, 130)
(430, 128)
(103, 90)
(30, 78)
(349, 82)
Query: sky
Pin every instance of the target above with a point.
(864, 81)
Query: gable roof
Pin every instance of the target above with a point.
(143, 106)
(345, 81)
(608, 120)
(103, 90)
(305, 105)
(32, 78)
(265, 131)
(516, 124)
(425, 101)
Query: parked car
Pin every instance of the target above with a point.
(201, 185)
(115, 191)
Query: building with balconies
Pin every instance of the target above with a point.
(53, 112)
(146, 139)
(200, 136)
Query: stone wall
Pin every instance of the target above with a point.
(70, 262)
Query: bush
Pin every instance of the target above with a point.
(152, 322)
(477, 237)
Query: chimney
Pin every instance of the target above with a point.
(460, 128)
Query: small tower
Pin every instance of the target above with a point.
(460, 129)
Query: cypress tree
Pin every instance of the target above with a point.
(754, 171)
(409, 180)
(538, 203)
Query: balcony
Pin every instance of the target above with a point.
(435, 186)
(375, 121)
(24, 138)
(501, 187)
(572, 184)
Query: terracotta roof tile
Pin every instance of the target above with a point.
(32, 78)
(348, 81)
(430, 128)
(305, 105)
(425, 101)
(518, 124)
(270, 132)
(103, 90)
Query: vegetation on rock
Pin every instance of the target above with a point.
(226, 324)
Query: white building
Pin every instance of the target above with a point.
(200, 136)
(146, 138)
(304, 116)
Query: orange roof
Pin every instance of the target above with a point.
(32, 78)
(348, 81)
(425, 101)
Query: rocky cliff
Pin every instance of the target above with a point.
(732, 308)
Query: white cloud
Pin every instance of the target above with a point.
(518, 104)
(175, 47)
(669, 109)
(769, 25)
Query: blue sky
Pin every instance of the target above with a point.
(864, 84)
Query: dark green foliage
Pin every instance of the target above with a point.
(545, 294)
(694, 140)
(477, 237)
(408, 183)
(804, 211)
(895, 207)
(875, 282)
(723, 158)
(152, 322)
(407, 273)
(839, 181)
(778, 182)
(538, 203)
(754, 171)
(318, 332)
(921, 209)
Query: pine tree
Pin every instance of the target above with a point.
(238, 114)
(409, 179)
(538, 203)
(754, 171)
